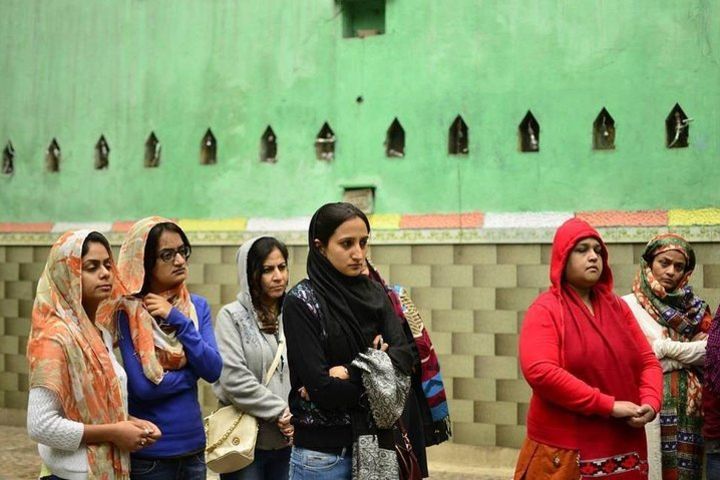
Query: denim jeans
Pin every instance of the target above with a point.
(712, 450)
(190, 467)
(311, 465)
(268, 465)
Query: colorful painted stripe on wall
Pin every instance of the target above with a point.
(391, 221)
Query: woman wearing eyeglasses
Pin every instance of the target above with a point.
(167, 344)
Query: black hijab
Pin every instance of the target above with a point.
(347, 301)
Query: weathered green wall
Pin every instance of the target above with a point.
(74, 70)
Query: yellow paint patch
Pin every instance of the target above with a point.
(702, 216)
(385, 221)
(228, 225)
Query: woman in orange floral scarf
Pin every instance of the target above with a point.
(167, 344)
(77, 410)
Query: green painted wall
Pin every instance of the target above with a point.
(74, 70)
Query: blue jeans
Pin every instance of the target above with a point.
(268, 465)
(311, 465)
(712, 450)
(190, 467)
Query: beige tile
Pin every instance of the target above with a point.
(473, 344)
(513, 390)
(474, 389)
(19, 254)
(498, 413)
(534, 276)
(473, 433)
(515, 298)
(452, 321)
(510, 436)
(496, 367)
(452, 275)
(518, 254)
(457, 365)
(435, 298)
(495, 321)
(472, 298)
(475, 254)
(432, 254)
(506, 344)
(410, 275)
(391, 254)
(9, 272)
(495, 276)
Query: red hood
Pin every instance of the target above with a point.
(567, 235)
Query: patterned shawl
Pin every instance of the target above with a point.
(158, 350)
(430, 377)
(683, 315)
(68, 356)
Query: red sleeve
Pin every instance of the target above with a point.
(540, 363)
(651, 377)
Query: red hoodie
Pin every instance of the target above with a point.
(579, 363)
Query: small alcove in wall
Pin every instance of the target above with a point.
(362, 18)
(8, 159)
(208, 149)
(677, 128)
(325, 143)
(153, 150)
(52, 156)
(268, 146)
(395, 140)
(529, 133)
(458, 140)
(102, 154)
(604, 131)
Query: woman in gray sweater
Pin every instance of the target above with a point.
(249, 332)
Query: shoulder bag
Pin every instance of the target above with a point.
(231, 433)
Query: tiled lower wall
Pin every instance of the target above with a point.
(472, 298)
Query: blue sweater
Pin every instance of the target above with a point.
(173, 404)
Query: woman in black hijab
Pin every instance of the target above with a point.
(330, 318)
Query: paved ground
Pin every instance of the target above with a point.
(19, 460)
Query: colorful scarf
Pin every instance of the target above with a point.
(430, 377)
(157, 349)
(683, 315)
(68, 356)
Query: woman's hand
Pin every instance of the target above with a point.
(646, 414)
(151, 430)
(302, 391)
(623, 409)
(340, 372)
(130, 436)
(379, 344)
(283, 423)
(157, 306)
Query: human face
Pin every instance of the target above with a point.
(97, 274)
(168, 275)
(668, 268)
(584, 264)
(274, 278)
(346, 249)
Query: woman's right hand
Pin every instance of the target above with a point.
(131, 436)
(623, 409)
(379, 344)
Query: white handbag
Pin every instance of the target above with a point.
(231, 433)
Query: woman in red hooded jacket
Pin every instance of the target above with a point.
(595, 379)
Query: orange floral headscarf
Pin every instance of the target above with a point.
(68, 356)
(157, 350)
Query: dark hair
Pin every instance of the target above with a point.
(95, 237)
(151, 249)
(257, 255)
(330, 216)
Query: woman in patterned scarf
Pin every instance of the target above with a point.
(675, 322)
(77, 410)
(167, 344)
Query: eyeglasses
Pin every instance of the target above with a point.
(167, 255)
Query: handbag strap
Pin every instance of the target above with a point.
(275, 362)
(221, 440)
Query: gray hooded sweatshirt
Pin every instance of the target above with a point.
(247, 354)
